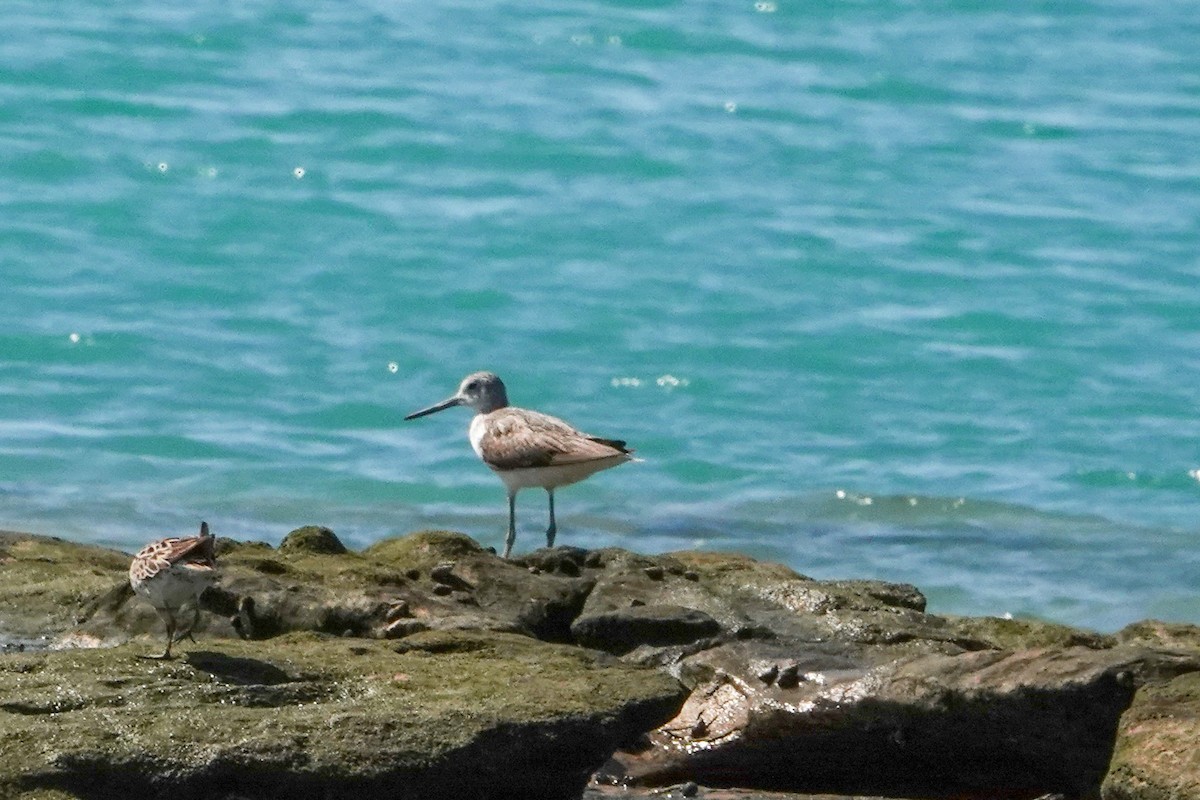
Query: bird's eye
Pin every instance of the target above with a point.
(472, 386)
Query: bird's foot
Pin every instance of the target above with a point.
(181, 636)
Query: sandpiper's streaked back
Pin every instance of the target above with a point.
(527, 448)
(171, 573)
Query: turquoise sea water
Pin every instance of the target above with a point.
(877, 289)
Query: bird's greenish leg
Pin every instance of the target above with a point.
(512, 523)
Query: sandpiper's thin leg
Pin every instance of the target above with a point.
(195, 619)
(553, 529)
(170, 635)
(512, 524)
(169, 621)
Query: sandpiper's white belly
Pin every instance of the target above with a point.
(553, 477)
(176, 585)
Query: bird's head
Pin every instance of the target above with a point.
(482, 392)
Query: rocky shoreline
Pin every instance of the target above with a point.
(427, 667)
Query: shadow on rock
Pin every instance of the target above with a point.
(235, 670)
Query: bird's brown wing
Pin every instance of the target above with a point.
(193, 551)
(522, 439)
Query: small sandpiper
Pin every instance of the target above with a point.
(172, 573)
(527, 448)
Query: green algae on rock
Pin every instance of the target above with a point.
(313, 539)
(1176, 636)
(47, 583)
(398, 586)
(1004, 633)
(424, 548)
(447, 715)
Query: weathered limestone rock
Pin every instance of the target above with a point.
(993, 723)
(1157, 755)
(1175, 637)
(429, 580)
(442, 715)
(847, 687)
(795, 684)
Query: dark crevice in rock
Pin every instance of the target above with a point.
(550, 618)
(624, 630)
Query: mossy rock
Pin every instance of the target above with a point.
(312, 539)
(430, 580)
(1002, 633)
(716, 565)
(303, 715)
(226, 546)
(424, 549)
(1164, 635)
(1157, 755)
(303, 565)
(48, 583)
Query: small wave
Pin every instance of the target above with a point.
(1110, 478)
(847, 505)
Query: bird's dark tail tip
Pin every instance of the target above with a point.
(616, 444)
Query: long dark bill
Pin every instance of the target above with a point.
(442, 406)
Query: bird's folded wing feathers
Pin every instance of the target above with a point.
(194, 551)
(529, 439)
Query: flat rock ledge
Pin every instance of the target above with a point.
(427, 667)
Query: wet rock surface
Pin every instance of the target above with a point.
(757, 679)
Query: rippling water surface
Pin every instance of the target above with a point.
(886, 289)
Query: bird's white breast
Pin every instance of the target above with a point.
(175, 585)
(476, 432)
